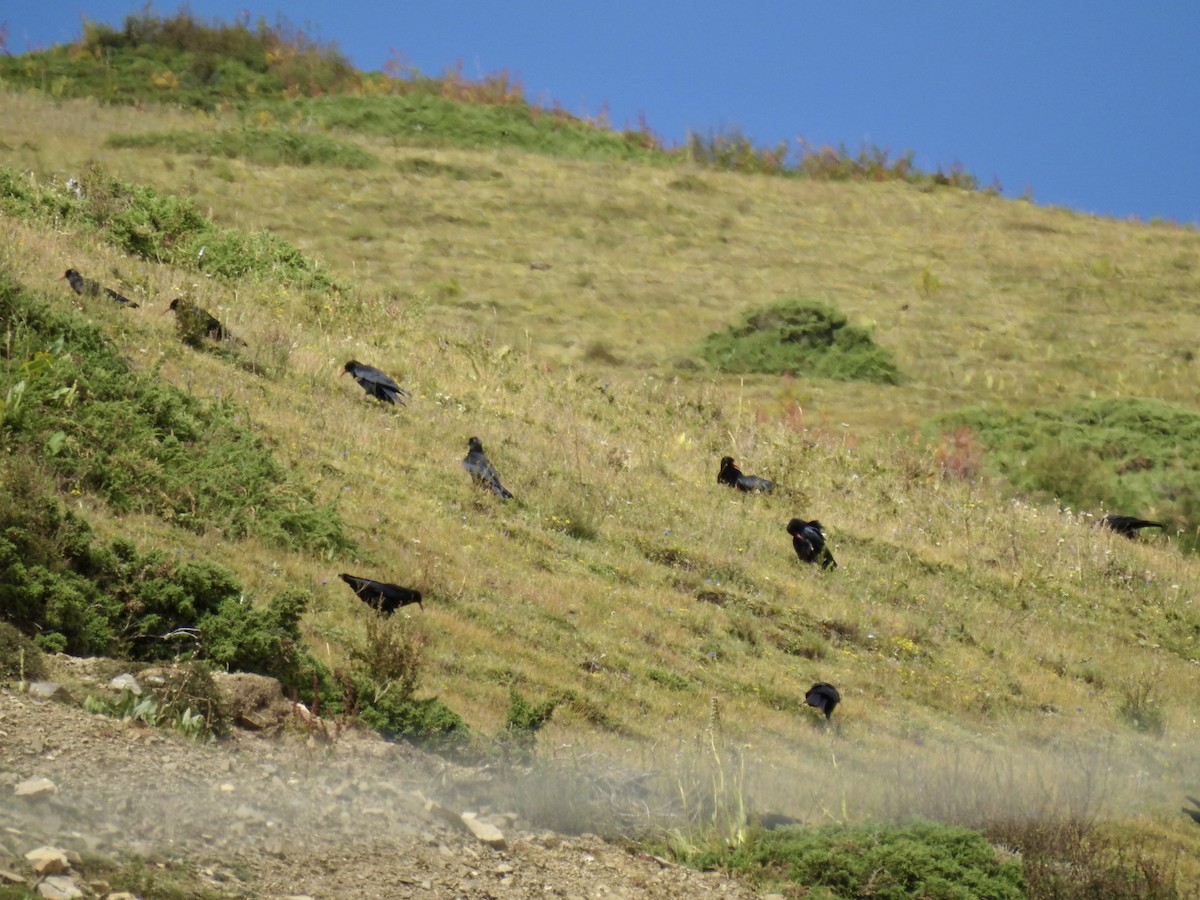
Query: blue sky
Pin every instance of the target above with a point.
(1090, 105)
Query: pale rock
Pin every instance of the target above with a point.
(485, 831)
(44, 690)
(59, 887)
(47, 860)
(11, 877)
(35, 787)
(126, 682)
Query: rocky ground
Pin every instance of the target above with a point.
(280, 812)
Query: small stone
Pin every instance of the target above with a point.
(11, 877)
(44, 689)
(35, 787)
(126, 682)
(485, 831)
(59, 887)
(47, 860)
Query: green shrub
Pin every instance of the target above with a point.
(800, 337)
(427, 722)
(522, 722)
(75, 595)
(183, 61)
(20, 657)
(145, 446)
(918, 859)
(164, 228)
(241, 636)
(1128, 455)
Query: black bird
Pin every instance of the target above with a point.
(376, 383)
(1128, 525)
(809, 542)
(482, 470)
(824, 697)
(195, 322)
(731, 475)
(1194, 813)
(387, 598)
(85, 287)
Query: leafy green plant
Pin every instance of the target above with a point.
(427, 722)
(1140, 705)
(143, 445)
(241, 636)
(1129, 455)
(522, 721)
(800, 336)
(164, 228)
(917, 859)
(20, 657)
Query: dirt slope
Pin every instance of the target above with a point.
(288, 815)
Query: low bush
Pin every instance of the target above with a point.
(162, 228)
(1129, 455)
(143, 445)
(20, 658)
(800, 337)
(918, 859)
(74, 594)
(382, 686)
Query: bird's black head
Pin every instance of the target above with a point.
(351, 367)
(726, 462)
(176, 304)
(474, 445)
(795, 526)
(70, 273)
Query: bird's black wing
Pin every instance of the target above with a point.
(1128, 525)
(123, 301)
(751, 483)
(361, 585)
(485, 473)
(379, 384)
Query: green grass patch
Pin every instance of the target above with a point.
(918, 859)
(163, 228)
(429, 120)
(265, 146)
(143, 445)
(184, 61)
(800, 337)
(1132, 456)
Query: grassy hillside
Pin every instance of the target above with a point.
(1000, 658)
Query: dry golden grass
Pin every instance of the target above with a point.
(978, 641)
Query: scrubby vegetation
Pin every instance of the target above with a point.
(998, 657)
(918, 859)
(802, 338)
(275, 72)
(143, 445)
(159, 227)
(1099, 456)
